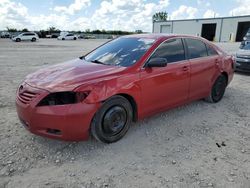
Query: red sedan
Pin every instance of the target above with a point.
(124, 80)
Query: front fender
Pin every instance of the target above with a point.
(106, 88)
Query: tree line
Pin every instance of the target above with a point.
(158, 16)
(54, 30)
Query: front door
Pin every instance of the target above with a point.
(165, 87)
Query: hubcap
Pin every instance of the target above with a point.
(114, 120)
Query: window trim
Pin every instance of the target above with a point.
(183, 45)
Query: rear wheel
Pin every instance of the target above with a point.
(74, 38)
(112, 120)
(33, 39)
(218, 90)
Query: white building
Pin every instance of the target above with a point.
(221, 29)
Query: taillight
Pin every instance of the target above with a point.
(233, 61)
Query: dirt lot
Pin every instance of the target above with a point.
(177, 148)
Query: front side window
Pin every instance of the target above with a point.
(172, 50)
(121, 52)
(196, 48)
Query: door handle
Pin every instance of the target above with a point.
(217, 61)
(185, 68)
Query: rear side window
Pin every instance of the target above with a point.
(211, 51)
(172, 50)
(196, 48)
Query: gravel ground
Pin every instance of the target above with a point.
(196, 145)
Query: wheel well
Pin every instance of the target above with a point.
(226, 75)
(133, 104)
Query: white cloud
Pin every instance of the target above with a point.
(184, 12)
(204, 2)
(74, 7)
(243, 8)
(210, 14)
(111, 15)
(127, 14)
(12, 14)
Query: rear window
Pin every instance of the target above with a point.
(196, 48)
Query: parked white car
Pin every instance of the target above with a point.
(30, 36)
(68, 36)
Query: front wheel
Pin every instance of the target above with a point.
(112, 120)
(218, 90)
(18, 40)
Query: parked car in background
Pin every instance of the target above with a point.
(68, 36)
(247, 36)
(243, 58)
(126, 79)
(27, 36)
(87, 36)
(5, 34)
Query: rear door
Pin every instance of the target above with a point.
(69, 36)
(25, 36)
(204, 67)
(165, 87)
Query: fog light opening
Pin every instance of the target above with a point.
(54, 131)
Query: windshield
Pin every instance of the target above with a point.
(122, 51)
(246, 47)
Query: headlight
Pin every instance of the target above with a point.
(244, 38)
(63, 98)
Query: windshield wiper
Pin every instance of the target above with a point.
(98, 62)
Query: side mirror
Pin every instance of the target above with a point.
(157, 62)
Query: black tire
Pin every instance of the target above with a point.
(112, 120)
(18, 40)
(218, 90)
(63, 38)
(74, 38)
(33, 39)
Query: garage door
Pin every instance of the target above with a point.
(165, 29)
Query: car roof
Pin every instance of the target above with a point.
(158, 36)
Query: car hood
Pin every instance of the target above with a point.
(242, 52)
(67, 76)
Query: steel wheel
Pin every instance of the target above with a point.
(218, 90)
(112, 120)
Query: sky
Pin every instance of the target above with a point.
(129, 15)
